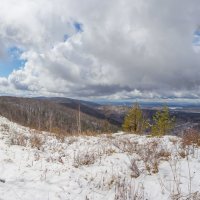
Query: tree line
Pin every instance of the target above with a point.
(136, 122)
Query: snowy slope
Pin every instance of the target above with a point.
(107, 167)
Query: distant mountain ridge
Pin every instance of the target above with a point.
(63, 100)
(87, 107)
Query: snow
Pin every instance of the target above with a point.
(94, 168)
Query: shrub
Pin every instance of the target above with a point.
(191, 137)
(151, 154)
(84, 158)
(36, 142)
(18, 139)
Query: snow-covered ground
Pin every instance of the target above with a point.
(107, 167)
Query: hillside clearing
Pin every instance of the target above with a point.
(39, 166)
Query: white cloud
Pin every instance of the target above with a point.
(132, 48)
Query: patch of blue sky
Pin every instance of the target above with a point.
(196, 39)
(78, 27)
(197, 32)
(65, 37)
(11, 62)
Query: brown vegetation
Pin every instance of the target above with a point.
(191, 137)
(50, 116)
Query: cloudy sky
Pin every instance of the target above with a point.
(115, 49)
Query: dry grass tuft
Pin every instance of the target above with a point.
(152, 154)
(36, 142)
(191, 137)
(5, 127)
(135, 172)
(84, 158)
(125, 145)
(126, 190)
(19, 139)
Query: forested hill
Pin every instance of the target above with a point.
(54, 115)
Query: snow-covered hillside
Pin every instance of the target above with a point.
(38, 166)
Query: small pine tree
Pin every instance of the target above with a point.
(163, 123)
(134, 121)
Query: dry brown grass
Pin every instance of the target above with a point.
(72, 140)
(191, 137)
(164, 154)
(18, 139)
(125, 145)
(191, 196)
(84, 158)
(182, 153)
(5, 127)
(36, 142)
(152, 154)
(126, 190)
(135, 172)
